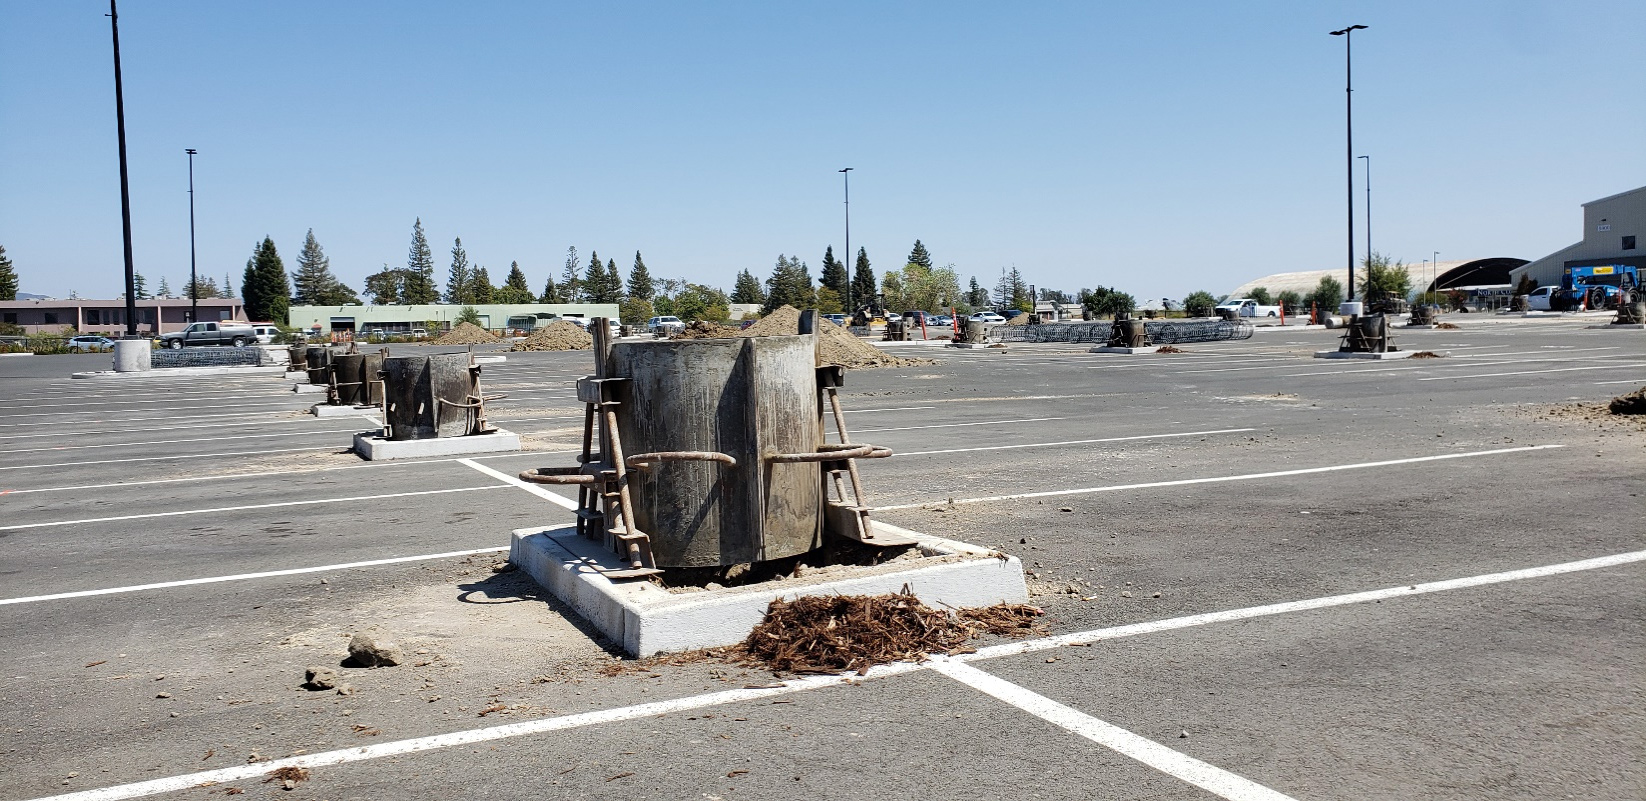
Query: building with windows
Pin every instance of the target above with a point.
(401, 319)
(1614, 232)
(108, 317)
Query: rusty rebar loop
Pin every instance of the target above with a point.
(828, 452)
(556, 475)
(642, 460)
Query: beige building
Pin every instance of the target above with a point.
(108, 317)
(1614, 232)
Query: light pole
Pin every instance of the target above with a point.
(1368, 205)
(1434, 272)
(1349, 133)
(194, 283)
(125, 189)
(851, 264)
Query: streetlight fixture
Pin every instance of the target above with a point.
(194, 281)
(125, 187)
(851, 264)
(1349, 118)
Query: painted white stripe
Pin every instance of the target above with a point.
(957, 425)
(897, 409)
(83, 419)
(158, 400)
(1528, 372)
(244, 508)
(1219, 479)
(565, 722)
(247, 576)
(194, 427)
(1180, 766)
(514, 481)
(330, 433)
(232, 454)
(1080, 441)
(1624, 381)
(224, 476)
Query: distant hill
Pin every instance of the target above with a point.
(27, 296)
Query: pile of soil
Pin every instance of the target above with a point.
(1169, 349)
(466, 333)
(558, 335)
(703, 329)
(1447, 326)
(1424, 354)
(834, 344)
(1632, 403)
(1022, 318)
(831, 634)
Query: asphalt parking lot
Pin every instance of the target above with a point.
(1266, 576)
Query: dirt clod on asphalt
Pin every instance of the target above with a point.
(1170, 349)
(558, 335)
(1424, 354)
(1632, 403)
(1447, 326)
(288, 775)
(466, 333)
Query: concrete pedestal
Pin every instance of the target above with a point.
(132, 355)
(647, 619)
(373, 448)
(328, 410)
(1338, 354)
(1126, 351)
(306, 388)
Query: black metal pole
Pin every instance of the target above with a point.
(1349, 137)
(1368, 205)
(125, 189)
(851, 261)
(194, 281)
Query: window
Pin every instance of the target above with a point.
(51, 318)
(1629, 242)
(94, 317)
(10, 318)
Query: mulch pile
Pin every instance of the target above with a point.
(558, 335)
(703, 329)
(1632, 403)
(834, 344)
(466, 333)
(1424, 354)
(833, 634)
(1169, 349)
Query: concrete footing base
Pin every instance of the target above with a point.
(973, 345)
(1338, 354)
(647, 619)
(373, 448)
(328, 410)
(305, 388)
(1126, 351)
(132, 355)
(1619, 327)
(174, 372)
(1409, 326)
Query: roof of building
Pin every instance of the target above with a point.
(1493, 270)
(1624, 193)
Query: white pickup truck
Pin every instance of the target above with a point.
(1247, 307)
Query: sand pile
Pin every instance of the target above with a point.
(834, 344)
(1021, 318)
(466, 333)
(558, 335)
(703, 329)
(835, 633)
(1632, 403)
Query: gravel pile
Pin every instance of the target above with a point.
(1022, 318)
(466, 333)
(558, 335)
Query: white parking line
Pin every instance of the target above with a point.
(514, 481)
(1528, 372)
(1219, 479)
(896, 409)
(232, 454)
(246, 576)
(1206, 776)
(83, 419)
(328, 432)
(286, 421)
(958, 425)
(1079, 441)
(1624, 381)
(659, 708)
(181, 512)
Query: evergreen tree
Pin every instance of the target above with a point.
(1013, 292)
(594, 280)
(165, 289)
(141, 285)
(747, 289)
(790, 284)
(919, 255)
(266, 289)
(863, 283)
(8, 277)
(614, 282)
(640, 280)
(514, 288)
(417, 285)
(227, 290)
(834, 275)
(976, 296)
(199, 289)
(386, 288)
(312, 284)
(460, 276)
(480, 286)
(551, 292)
(570, 285)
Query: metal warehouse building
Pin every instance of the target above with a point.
(1613, 230)
(524, 316)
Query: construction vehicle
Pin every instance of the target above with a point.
(1594, 287)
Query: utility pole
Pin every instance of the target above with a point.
(1349, 132)
(125, 187)
(851, 261)
(194, 281)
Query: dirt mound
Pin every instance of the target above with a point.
(1021, 318)
(1447, 326)
(834, 344)
(1632, 403)
(1170, 349)
(703, 329)
(558, 335)
(831, 634)
(466, 333)
(1424, 354)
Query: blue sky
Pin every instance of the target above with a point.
(1154, 147)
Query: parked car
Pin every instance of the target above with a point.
(89, 343)
(986, 317)
(666, 325)
(419, 333)
(266, 332)
(1246, 307)
(942, 320)
(226, 332)
(893, 317)
(837, 319)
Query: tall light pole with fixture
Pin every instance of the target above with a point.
(125, 186)
(1349, 120)
(851, 263)
(194, 282)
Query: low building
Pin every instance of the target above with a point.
(439, 317)
(1425, 276)
(108, 317)
(1613, 232)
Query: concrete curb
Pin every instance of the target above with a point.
(161, 372)
(1394, 354)
(373, 448)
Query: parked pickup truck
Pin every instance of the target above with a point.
(1247, 307)
(226, 332)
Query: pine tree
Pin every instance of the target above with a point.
(201, 288)
(460, 276)
(614, 282)
(594, 280)
(227, 290)
(640, 280)
(418, 286)
(480, 286)
(834, 274)
(570, 285)
(312, 284)
(386, 287)
(551, 292)
(141, 284)
(267, 291)
(976, 296)
(790, 284)
(863, 283)
(165, 289)
(919, 255)
(747, 289)
(8, 277)
(514, 288)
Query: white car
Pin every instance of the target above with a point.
(1247, 307)
(82, 344)
(986, 317)
(1538, 300)
(894, 317)
(266, 332)
(667, 325)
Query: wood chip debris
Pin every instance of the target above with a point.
(832, 634)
